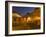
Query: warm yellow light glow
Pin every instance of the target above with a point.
(28, 19)
(17, 15)
(24, 19)
(37, 18)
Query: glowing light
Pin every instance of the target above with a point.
(28, 19)
(37, 18)
(17, 15)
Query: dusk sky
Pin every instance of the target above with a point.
(23, 10)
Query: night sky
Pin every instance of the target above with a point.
(23, 10)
